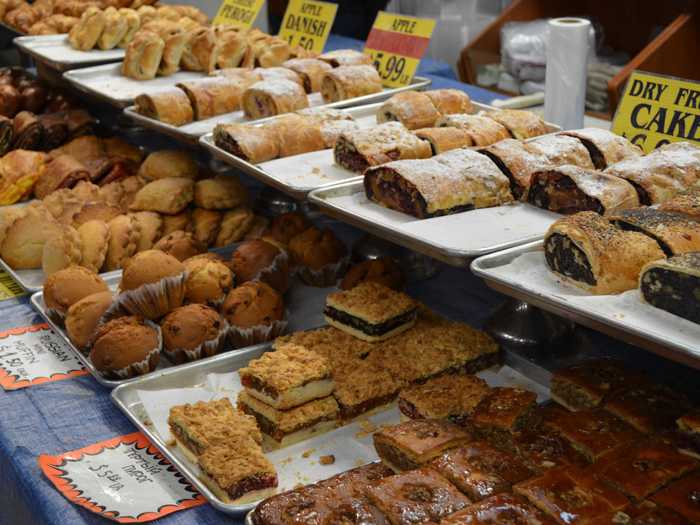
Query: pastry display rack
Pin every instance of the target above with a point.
(521, 272)
(351, 444)
(55, 52)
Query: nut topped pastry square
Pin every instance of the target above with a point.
(370, 311)
(418, 496)
(682, 496)
(452, 397)
(592, 432)
(329, 342)
(413, 443)
(288, 377)
(499, 510)
(503, 413)
(542, 449)
(648, 408)
(480, 470)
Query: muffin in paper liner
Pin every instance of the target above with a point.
(269, 273)
(153, 300)
(206, 349)
(241, 337)
(325, 276)
(139, 368)
(188, 325)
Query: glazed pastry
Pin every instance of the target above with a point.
(482, 130)
(254, 144)
(516, 162)
(413, 109)
(87, 31)
(181, 245)
(499, 509)
(212, 96)
(62, 172)
(444, 139)
(61, 251)
(345, 57)
(219, 193)
(662, 173)
(167, 163)
(687, 203)
(648, 407)
(348, 82)
(273, 97)
(114, 31)
(123, 239)
(206, 225)
(133, 22)
(680, 496)
(310, 70)
(605, 147)
(171, 106)
(169, 196)
(672, 284)
(296, 135)
(449, 101)
(675, 233)
(570, 189)
(594, 255)
(150, 227)
(453, 182)
(94, 236)
(503, 414)
(143, 56)
(234, 225)
(558, 150)
(358, 150)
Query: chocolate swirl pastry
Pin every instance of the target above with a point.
(55, 130)
(6, 134)
(80, 123)
(10, 100)
(34, 97)
(605, 147)
(516, 162)
(28, 131)
(674, 285)
(675, 233)
(591, 253)
(570, 189)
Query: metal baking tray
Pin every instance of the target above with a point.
(454, 239)
(351, 444)
(33, 280)
(300, 174)
(55, 52)
(522, 273)
(304, 305)
(190, 133)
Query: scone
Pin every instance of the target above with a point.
(123, 239)
(169, 196)
(68, 286)
(208, 280)
(62, 251)
(181, 245)
(168, 163)
(126, 347)
(206, 225)
(94, 237)
(234, 225)
(84, 316)
(150, 227)
(23, 245)
(219, 193)
(261, 261)
(255, 313)
(191, 332)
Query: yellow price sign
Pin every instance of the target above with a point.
(307, 24)
(8, 287)
(656, 110)
(241, 13)
(396, 45)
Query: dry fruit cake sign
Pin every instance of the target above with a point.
(656, 110)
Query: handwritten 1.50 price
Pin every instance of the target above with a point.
(305, 42)
(390, 68)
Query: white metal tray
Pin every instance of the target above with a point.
(191, 132)
(298, 464)
(55, 52)
(522, 272)
(454, 239)
(304, 304)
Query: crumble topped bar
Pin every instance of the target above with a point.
(451, 397)
(328, 342)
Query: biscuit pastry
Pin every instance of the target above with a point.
(66, 287)
(168, 163)
(123, 239)
(23, 245)
(234, 225)
(181, 245)
(62, 251)
(206, 225)
(84, 316)
(150, 227)
(208, 280)
(169, 196)
(126, 347)
(94, 237)
(219, 193)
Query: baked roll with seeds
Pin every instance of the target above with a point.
(673, 285)
(444, 139)
(251, 143)
(347, 82)
(516, 162)
(520, 124)
(210, 97)
(605, 147)
(311, 71)
(358, 150)
(413, 109)
(570, 189)
(687, 203)
(675, 233)
(482, 130)
(273, 97)
(559, 150)
(592, 254)
(171, 106)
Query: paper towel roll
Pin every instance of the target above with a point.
(565, 81)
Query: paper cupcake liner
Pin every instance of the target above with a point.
(154, 300)
(324, 277)
(206, 349)
(242, 337)
(148, 364)
(274, 267)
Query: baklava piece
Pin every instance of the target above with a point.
(419, 496)
(673, 285)
(288, 377)
(644, 468)
(411, 444)
(370, 311)
(480, 471)
(593, 433)
(644, 513)
(504, 413)
(587, 385)
(239, 475)
(682, 496)
(675, 233)
(199, 426)
(499, 510)
(362, 388)
(648, 407)
(282, 428)
(689, 426)
(453, 397)
(541, 450)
